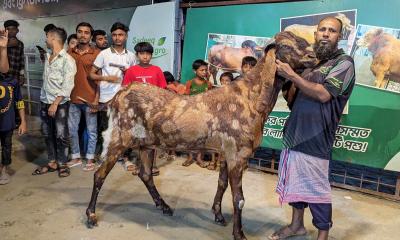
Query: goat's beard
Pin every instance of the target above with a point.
(325, 51)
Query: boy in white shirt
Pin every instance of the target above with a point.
(112, 62)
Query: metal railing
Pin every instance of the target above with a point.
(33, 67)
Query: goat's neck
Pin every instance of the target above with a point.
(263, 86)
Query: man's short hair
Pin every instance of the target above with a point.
(249, 60)
(70, 37)
(11, 23)
(119, 25)
(144, 47)
(335, 18)
(198, 63)
(98, 32)
(85, 24)
(60, 32)
(48, 27)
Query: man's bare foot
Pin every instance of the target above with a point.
(288, 231)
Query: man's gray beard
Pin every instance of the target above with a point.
(324, 51)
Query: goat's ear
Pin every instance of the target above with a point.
(270, 69)
(269, 47)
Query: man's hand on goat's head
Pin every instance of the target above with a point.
(284, 70)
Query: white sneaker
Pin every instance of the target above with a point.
(4, 177)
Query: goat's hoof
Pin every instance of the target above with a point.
(239, 236)
(165, 208)
(91, 221)
(167, 211)
(220, 220)
(378, 84)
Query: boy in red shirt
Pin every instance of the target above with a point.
(144, 72)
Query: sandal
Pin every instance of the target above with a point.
(202, 164)
(45, 169)
(74, 163)
(188, 162)
(212, 166)
(89, 167)
(286, 232)
(64, 171)
(129, 166)
(136, 171)
(155, 171)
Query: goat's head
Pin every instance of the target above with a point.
(370, 38)
(294, 50)
(287, 48)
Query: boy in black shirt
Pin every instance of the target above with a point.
(10, 100)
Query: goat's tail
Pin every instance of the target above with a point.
(107, 134)
(114, 103)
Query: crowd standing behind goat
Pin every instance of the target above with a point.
(96, 72)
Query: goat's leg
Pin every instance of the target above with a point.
(147, 158)
(99, 177)
(380, 69)
(222, 185)
(235, 180)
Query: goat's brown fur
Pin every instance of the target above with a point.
(228, 120)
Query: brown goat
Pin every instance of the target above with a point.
(228, 120)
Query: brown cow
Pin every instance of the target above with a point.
(385, 49)
(229, 120)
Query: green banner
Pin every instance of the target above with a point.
(369, 132)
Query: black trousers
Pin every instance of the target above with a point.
(102, 125)
(55, 131)
(6, 145)
(321, 213)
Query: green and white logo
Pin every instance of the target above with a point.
(158, 44)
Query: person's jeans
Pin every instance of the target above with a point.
(75, 113)
(6, 145)
(55, 131)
